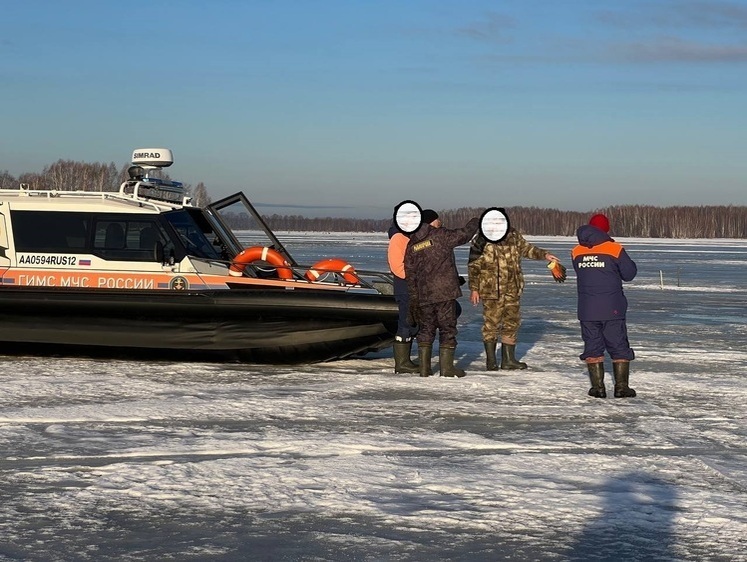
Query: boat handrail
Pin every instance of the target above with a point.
(158, 206)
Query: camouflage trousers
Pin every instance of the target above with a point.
(441, 317)
(501, 318)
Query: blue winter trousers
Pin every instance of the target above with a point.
(610, 336)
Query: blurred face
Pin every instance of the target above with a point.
(436, 223)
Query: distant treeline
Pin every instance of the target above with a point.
(68, 175)
(638, 221)
(627, 220)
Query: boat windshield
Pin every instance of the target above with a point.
(196, 234)
(234, 216)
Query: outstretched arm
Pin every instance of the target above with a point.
(628, 268)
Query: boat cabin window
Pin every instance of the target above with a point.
(196, 234)
(130, 239)
(111, 237)
(50, 232)
(3, 235)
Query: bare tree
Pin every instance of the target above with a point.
(7, 181)
(200, 197)
(33, 181)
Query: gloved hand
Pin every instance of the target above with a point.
(462, 280)
(558, 271)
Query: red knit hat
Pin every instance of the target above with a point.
(601, 222)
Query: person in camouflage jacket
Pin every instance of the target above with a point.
(496, 279)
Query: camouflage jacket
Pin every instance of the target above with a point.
(496, 268)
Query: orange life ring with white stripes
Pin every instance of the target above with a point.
(333, 265)
(259, 253)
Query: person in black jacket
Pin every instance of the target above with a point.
(434, 286)
(601, 266)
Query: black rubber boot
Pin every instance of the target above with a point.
(446, 363)
(596, 376)
(508, 357)
(424, 353)
(402, 361)
(491, 362)
(621, 370)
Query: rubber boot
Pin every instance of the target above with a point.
(402, 362)
(621, 370)
(596, 376)
(508, 357)
(491, 363)
(446, 363)
(424, 353)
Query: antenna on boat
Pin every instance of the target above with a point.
(146, 159)
(150, 159)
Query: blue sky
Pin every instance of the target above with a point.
(345, 108)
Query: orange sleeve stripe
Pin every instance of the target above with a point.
(610, 248)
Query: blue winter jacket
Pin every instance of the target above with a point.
(601, 266)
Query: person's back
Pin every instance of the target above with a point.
(601, 266)
(434, 285)
(430, 265)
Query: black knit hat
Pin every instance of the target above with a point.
(429, 215)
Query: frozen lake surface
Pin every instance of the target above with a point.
(117, 460)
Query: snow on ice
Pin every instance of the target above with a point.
(128, 460)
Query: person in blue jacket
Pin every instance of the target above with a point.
(601, 266)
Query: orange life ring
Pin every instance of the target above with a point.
(259, 253)
(333, 265)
